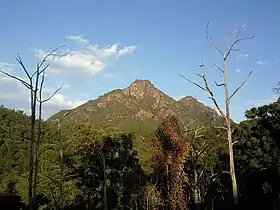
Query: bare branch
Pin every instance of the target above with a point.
(203, 150)
(221, 127)
(219, 85)
(225, 172)
(219, 68)
(41, 89)
(212, 96)
(193, 83)
(237, 31)
(17, 78)
(208, 39)
(234, 142)
(234, 43)
(18, 59)
(54, 53)
(240, 86)
(51, 96)
(65, 148)
(206, 88)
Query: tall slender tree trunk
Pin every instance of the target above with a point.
(37, 143)
(232, 166)
(229, 137)
(41, 68)
(32, 140)
(226, 114)
(196, 193)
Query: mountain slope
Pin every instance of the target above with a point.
(199, 111)
(140, 101)
(139, 109)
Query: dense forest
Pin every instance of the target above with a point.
(88, 168)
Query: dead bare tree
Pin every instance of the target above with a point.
(203, 145)
(35, 91)
(196, 153)
(226, 115)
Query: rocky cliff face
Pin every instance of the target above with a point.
(140, 101)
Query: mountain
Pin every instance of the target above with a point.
(138, 108)
(199, 111)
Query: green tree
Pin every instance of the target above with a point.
(257, 156)
(14, 149)
(110, 173)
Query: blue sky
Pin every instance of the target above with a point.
(129, 40)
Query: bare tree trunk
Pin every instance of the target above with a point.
(41, 68)
(226, 114)
(32, 185)
(37, 143)
(31, 158)
(197, 194)
(232, 170)
(229, 137)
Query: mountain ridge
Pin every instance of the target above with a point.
(137, 89)
(138, 108)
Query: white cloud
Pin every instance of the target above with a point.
(126, 50)
(260, 62)
(16, 96)
(78, 39)
(61, 102)
(89, 59)
(4, 64)
(261, 102)
(84, 60)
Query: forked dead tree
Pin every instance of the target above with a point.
(228, 97)
(203, 147)
(34, 84)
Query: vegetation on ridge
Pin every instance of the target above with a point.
(139, 109)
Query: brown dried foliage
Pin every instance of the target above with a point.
(168, 160)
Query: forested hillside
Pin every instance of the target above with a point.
(138, 109)
(92, 168)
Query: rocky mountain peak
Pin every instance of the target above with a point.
(192, 103)
(188, 100)
(141, 88)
